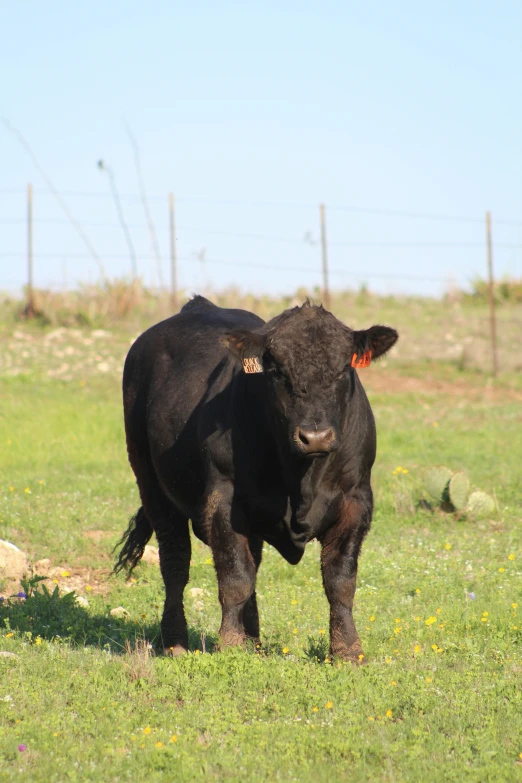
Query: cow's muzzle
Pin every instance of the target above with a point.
(312, 442)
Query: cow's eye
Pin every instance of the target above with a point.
(271, 366)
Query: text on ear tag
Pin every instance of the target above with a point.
(364, 361)
(252, 364)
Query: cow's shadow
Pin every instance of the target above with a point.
(58, 617)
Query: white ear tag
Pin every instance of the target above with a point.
(252, 364)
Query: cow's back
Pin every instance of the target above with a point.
(173, 371)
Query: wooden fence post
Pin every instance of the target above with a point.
(491, 288)
(324, 251)
(173, 257)
(30, 309)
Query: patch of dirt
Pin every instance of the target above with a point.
(391, 382)
(97, 535)
(84, 581)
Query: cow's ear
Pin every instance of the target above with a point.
(373, 342)
(247, 346)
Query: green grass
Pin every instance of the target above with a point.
(436, 701)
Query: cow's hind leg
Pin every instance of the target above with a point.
(341, 545)
(174, 552)
(172, 532)
(236, 569)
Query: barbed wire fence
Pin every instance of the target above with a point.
(322, 268)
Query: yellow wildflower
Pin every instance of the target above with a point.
(501, 570)
(511, 556)
(428, 679)
(372, 618)
(447, 546)
(370, 717)
(174, 738)
(27, 491)
(329, 705)
(430, 620)
(417, 648)
(147, 730)
(159, 744)
(293, 602)
(315, 709)
(286, 650)
(389, 713)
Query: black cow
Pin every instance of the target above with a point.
(255, 432)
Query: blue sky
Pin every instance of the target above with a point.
(252, 114)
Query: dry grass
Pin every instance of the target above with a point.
(138, 660)
(454, 329)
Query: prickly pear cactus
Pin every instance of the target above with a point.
(480, 505)
(436, 481)
(458, 490)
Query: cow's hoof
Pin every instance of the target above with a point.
(352, 654)
(231, 639)
(175, 652)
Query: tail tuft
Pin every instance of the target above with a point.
(133, 543)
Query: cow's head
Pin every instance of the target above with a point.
(307, 357)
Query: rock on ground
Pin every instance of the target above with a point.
(151, 555)
(13, 562)
(119, 611)
(41, 567)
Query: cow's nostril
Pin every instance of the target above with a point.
(313, 441)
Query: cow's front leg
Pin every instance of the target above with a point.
(236, 570)
(341, 545)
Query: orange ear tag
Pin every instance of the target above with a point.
(252, 364)
(364, 361)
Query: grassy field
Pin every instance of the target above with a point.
(438, 605)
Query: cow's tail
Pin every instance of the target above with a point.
(133, 542)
